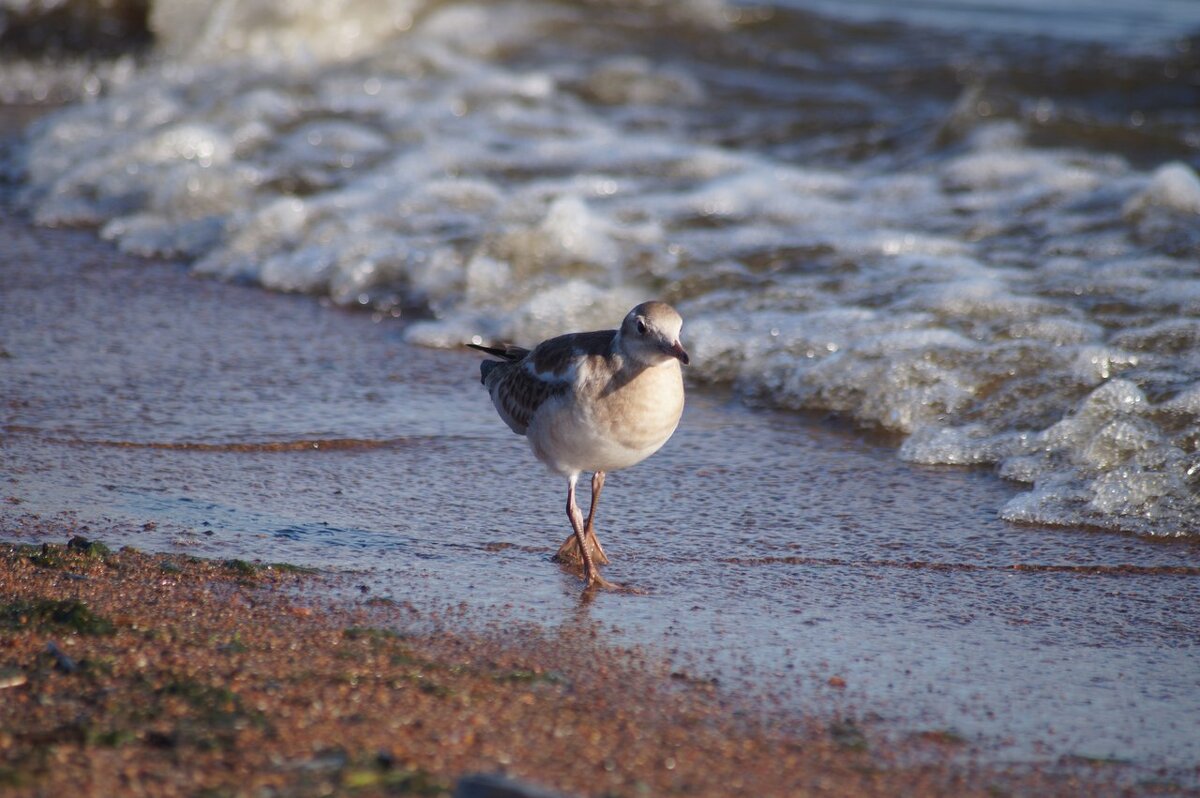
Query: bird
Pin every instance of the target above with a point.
(593, 402)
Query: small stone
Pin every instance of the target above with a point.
(11, 677)
(61, 661)
(485, 785)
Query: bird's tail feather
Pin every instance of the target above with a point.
(507, 352)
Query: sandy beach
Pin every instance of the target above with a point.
(130, 673)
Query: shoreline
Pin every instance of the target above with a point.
(157, 674)
(181, 415)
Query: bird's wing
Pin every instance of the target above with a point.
(519, 388)
(561, 356)
(517, 393)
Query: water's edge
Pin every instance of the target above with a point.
(780, 555)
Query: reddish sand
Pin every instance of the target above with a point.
(125, 673)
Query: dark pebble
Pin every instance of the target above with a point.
(485, 785)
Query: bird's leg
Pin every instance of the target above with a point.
(590, 575)
(568, 552)
(588, 527)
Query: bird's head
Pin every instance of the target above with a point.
(650, 334)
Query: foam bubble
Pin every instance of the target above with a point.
(1174, 186)
(278, 32)
(970, 444)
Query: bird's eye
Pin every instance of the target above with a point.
(641, 327)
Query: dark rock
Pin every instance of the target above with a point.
(92, 548)
(61, 661)
(488, 785)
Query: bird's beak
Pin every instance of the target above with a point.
(676, 350)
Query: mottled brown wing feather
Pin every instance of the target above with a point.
(517, 394)
(522, 383)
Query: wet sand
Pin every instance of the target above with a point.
(796, 562)
(126, 673)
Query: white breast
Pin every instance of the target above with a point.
(606, 425)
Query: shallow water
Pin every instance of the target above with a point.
(980, 244)
(1114, 22)
(983, 240)
(777, 551)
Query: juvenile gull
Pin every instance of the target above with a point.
(593, 401)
